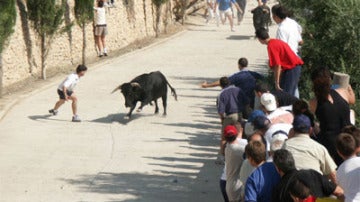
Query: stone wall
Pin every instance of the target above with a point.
(129, 21)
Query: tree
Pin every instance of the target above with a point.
(7, 22)
(84, 13)
(331, 38)
(46, 17)
(158, 5)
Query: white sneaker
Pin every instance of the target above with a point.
(76, 118)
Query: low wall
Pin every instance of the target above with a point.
(129, 21)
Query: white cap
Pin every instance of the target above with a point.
(268, 101)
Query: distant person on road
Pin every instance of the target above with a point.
(285, 64)
(212, 12)
(244, 79)
(100, 28)
(66, 92)
(225, 11)
(240, 15)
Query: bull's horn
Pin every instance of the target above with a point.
(117, 88)
(135, 84)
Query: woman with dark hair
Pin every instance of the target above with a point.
(331, 107)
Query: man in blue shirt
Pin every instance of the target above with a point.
(225, 10)
(244, 79)
(230, 104)
(264, 178)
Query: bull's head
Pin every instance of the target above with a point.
(132, 93)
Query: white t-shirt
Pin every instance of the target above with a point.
(100, 16)
(289, 31)
(274, 128)
(280, 115)
(348, 177)
(233, 160)
(70, 82)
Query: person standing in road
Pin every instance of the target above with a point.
(212, 12)
(225, 11)
(240, 15)
(66, 92)
(100, 28)
(285, 64)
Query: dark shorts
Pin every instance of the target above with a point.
(62, 95)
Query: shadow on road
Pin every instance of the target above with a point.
(238, 37)
(45, 117)
(120, 118)
(182, 178)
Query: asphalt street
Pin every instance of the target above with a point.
(107, 158)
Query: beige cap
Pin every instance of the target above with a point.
(341, 79)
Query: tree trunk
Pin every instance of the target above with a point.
(1, 76)
(84, 44)
(195, 7)
(43, 56)
(183, 10)
(158, 15)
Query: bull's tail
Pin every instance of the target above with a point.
(173, 92)
(117, 88)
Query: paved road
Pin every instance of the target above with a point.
(106, 158)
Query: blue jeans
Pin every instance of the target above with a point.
(289, 79)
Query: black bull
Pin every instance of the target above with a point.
(261, 17)
(146, 88)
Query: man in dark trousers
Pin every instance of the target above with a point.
(285, 64)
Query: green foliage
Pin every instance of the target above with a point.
(7, 20)
(84, 11)
(45, 15)
(331, 38)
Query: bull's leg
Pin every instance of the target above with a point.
(156, 107)
(143, 103)
(139, 109)
(128, 116)
(164, 99)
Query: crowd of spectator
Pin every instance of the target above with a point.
(278, 147)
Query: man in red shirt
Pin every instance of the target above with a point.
(285, 64)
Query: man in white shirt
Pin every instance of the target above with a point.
(234, 151)
(289, 30)
(348, 174)
(66, 92)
